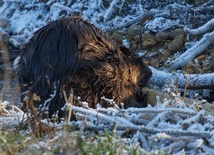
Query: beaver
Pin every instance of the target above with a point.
(70, 53)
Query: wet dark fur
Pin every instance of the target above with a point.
(72, 53)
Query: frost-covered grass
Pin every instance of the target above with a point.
(171, 126)
(70, 142)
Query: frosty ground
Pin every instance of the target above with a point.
(171, 125)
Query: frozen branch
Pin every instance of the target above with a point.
(155, 120)
(143, 139)
(195, 81)
(178, 146)
(101, 116)
(203, 29)
(135, 128)
(62, 7)
(134, 21)
(192, 52)
(194, 118)
(159, 110)
(109, 12)
(123, 124)
(205, 6)
(15, 1)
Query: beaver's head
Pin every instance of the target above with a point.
(121, 77)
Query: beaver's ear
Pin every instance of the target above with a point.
(123, 54)
(124, 50)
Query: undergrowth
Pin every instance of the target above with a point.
(67, 141)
